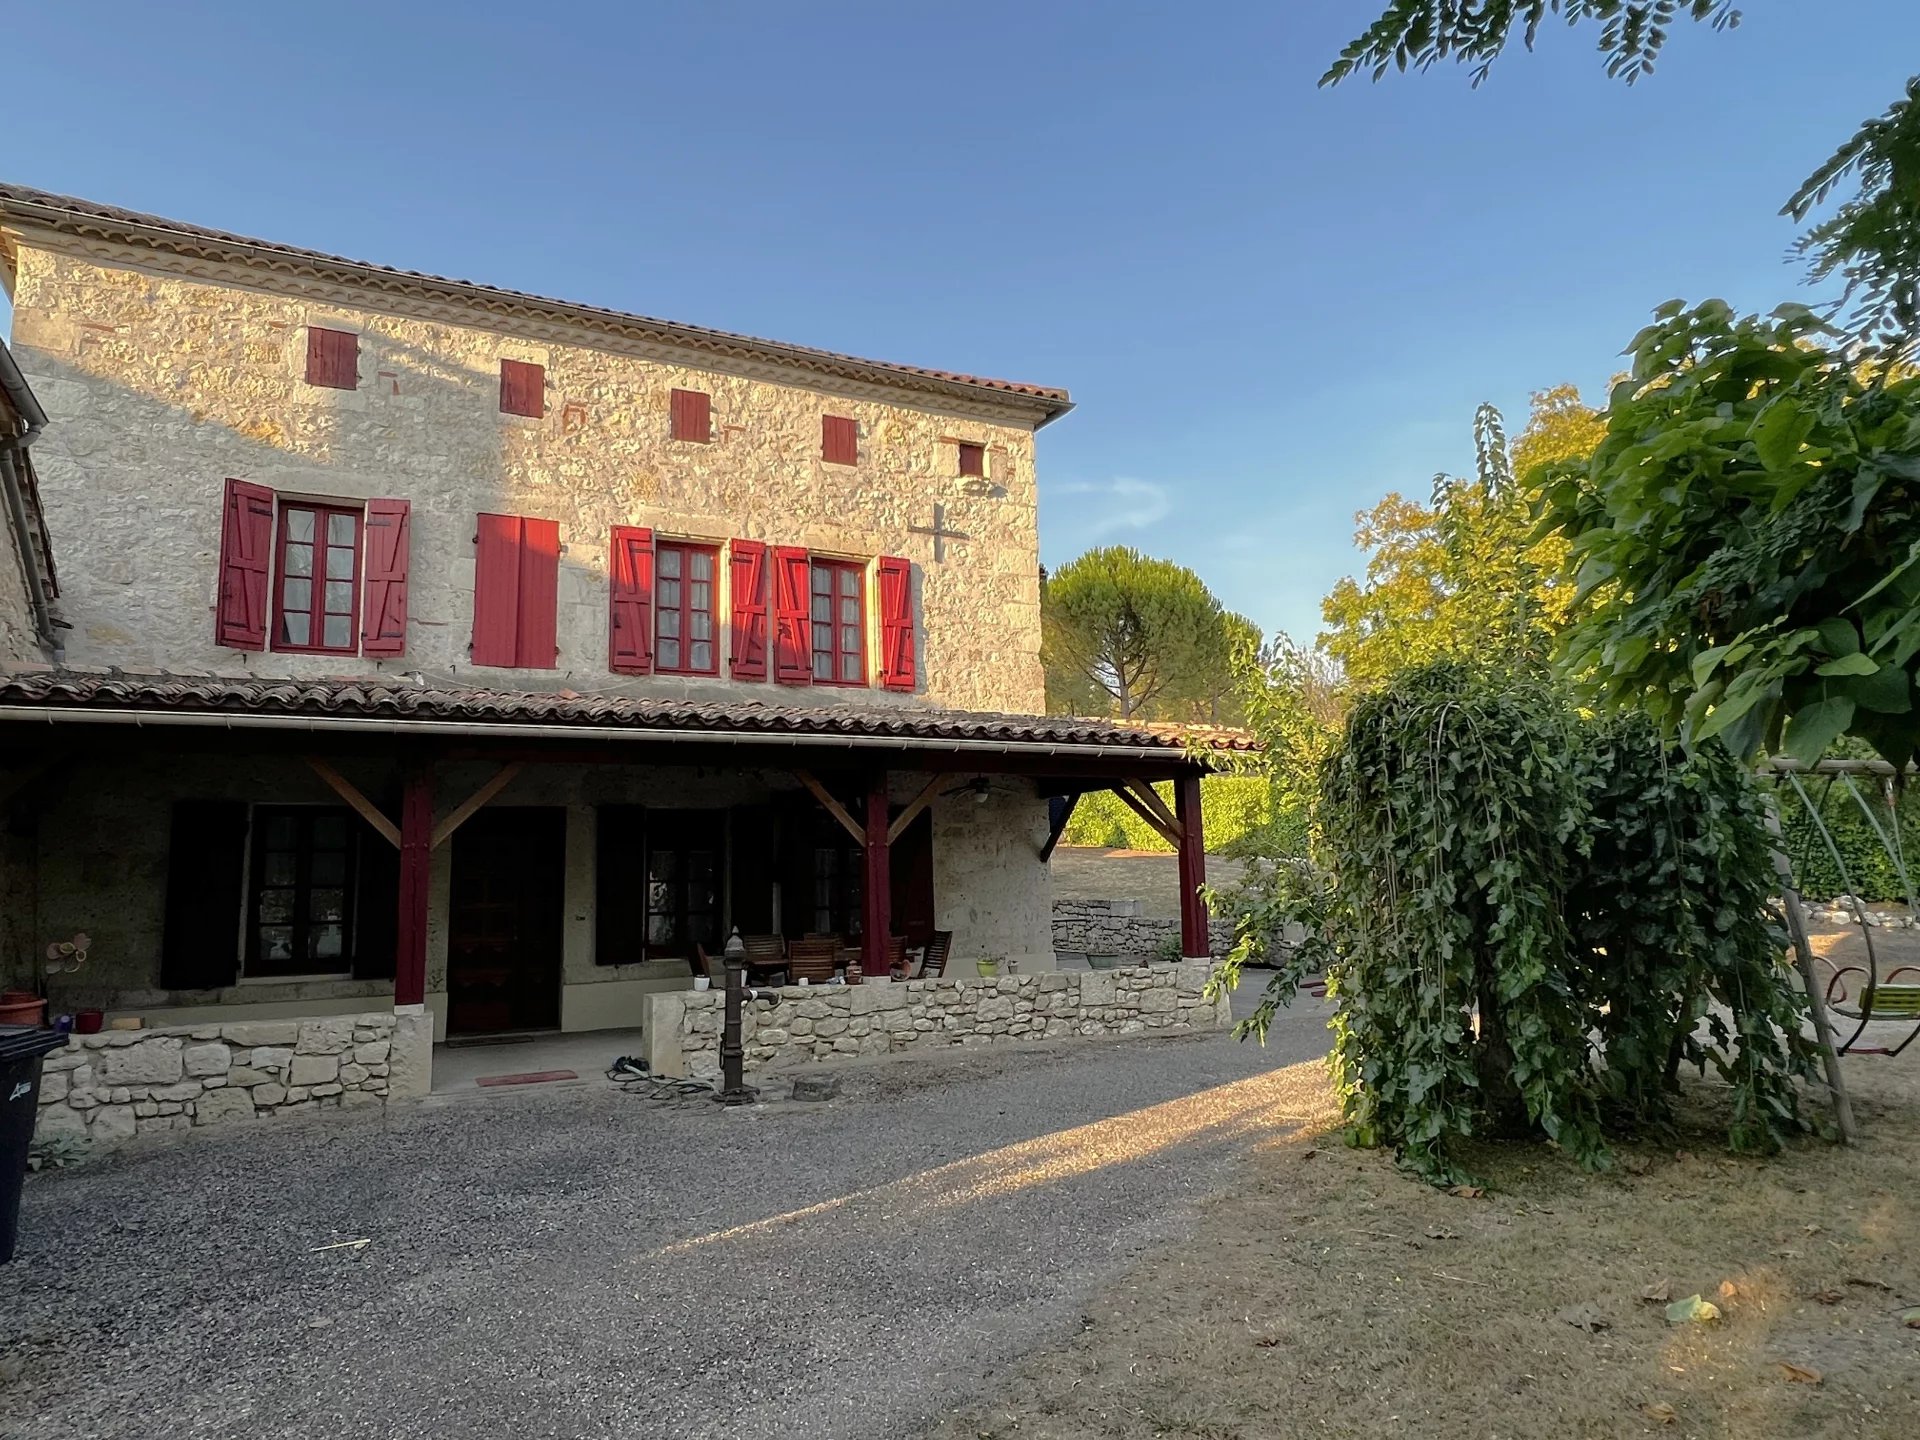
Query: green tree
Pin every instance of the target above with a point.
(1749, 534)
(1452, 577)
(1130, 632)
(1872, 238)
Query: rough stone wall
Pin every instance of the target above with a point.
(118, 1084)
(17, 640)
(834, 1022)
(165, 386)
(1116, 927)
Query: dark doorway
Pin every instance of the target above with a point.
(504, 930)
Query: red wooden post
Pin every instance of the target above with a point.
(416, 856)
(876, 913)
(1193, 867)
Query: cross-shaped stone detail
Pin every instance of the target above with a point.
(938, 530)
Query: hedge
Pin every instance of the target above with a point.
(1234, 811)
(1869, 867)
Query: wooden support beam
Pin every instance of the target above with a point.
(1193, 869)
(833, 806)
(1168, 833)
(914, 806)
(1059, 826)
(1150, 798)
(416, 861)
(464, 811)
(876, 901)
(366, 809)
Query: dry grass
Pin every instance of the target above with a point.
(1149, 876)
(1329, 1295)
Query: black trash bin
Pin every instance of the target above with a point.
(23, 1048)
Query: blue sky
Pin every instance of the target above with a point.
(1272, 303)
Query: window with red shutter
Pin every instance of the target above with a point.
(246, 537)
(748, 559)
(516, 577)
(630, 620)
(839, 440)
(839, 615)
(389, 539)
(684, 642)
(691, 415)
(333, 358)
(316, 596)
(973, 458)
(523, 388)
(896, 623)
(792, 616)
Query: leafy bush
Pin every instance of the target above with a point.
(1522, 918)
(1870, 872)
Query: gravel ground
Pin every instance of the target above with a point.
(574, 1261)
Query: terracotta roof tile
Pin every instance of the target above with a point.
(395, 700)
(67, 212)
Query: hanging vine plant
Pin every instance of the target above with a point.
(1530, 922)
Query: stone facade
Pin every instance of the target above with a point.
(1117, 927)
(120, 1084)
(838, 1022)
(163, 384)
(17, 640)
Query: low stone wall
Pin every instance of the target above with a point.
(1116, 927)
(122, 1083)
(837, 1022)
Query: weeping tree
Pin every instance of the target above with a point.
(1524, 917)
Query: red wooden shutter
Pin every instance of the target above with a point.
(523, 388)
(749, 609)
(691, 415)
(539, 641)
(896, 623)
(333, 358)
(839, 440)
(496, 590)
(383, 611)
(792, 616)
(630, 623)
(246, 539)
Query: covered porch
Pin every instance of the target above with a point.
(522, 863)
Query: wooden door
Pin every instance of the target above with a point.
(504, 926)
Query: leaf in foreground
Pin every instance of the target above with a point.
(1660, 1412)
(1692, 1311)
(1799, 1374)
(1659, 1292)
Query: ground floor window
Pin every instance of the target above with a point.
(659, 883)
(301, 890)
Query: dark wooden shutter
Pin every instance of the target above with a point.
(691, 415)
(376, 903)
(792, 616)
(246, 539)
(630, 622)
(539, 639)
(749, 586)
(973, 458)
(910, 876)
(523, 388)
(896, 623)
(383, 614)
(206, 860)
(839, 440)
(620, 885)
(333, 358)
(496, 590)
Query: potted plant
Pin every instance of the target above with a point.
(1102, 959)
(988, 966)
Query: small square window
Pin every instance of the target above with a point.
(333, 358)
(691, 416)
(973, 458)
(839, 440)
(523, 389)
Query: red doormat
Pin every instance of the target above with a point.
(532, 1077)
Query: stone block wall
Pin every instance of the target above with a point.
(1116, 927)
(118, 1084)
(839, 1022)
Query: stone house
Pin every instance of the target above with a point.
(431, 648)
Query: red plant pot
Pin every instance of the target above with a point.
(89, 1022)
(22, 1007)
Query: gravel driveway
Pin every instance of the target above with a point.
(574, 1261)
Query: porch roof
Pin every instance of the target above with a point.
(398, 707)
